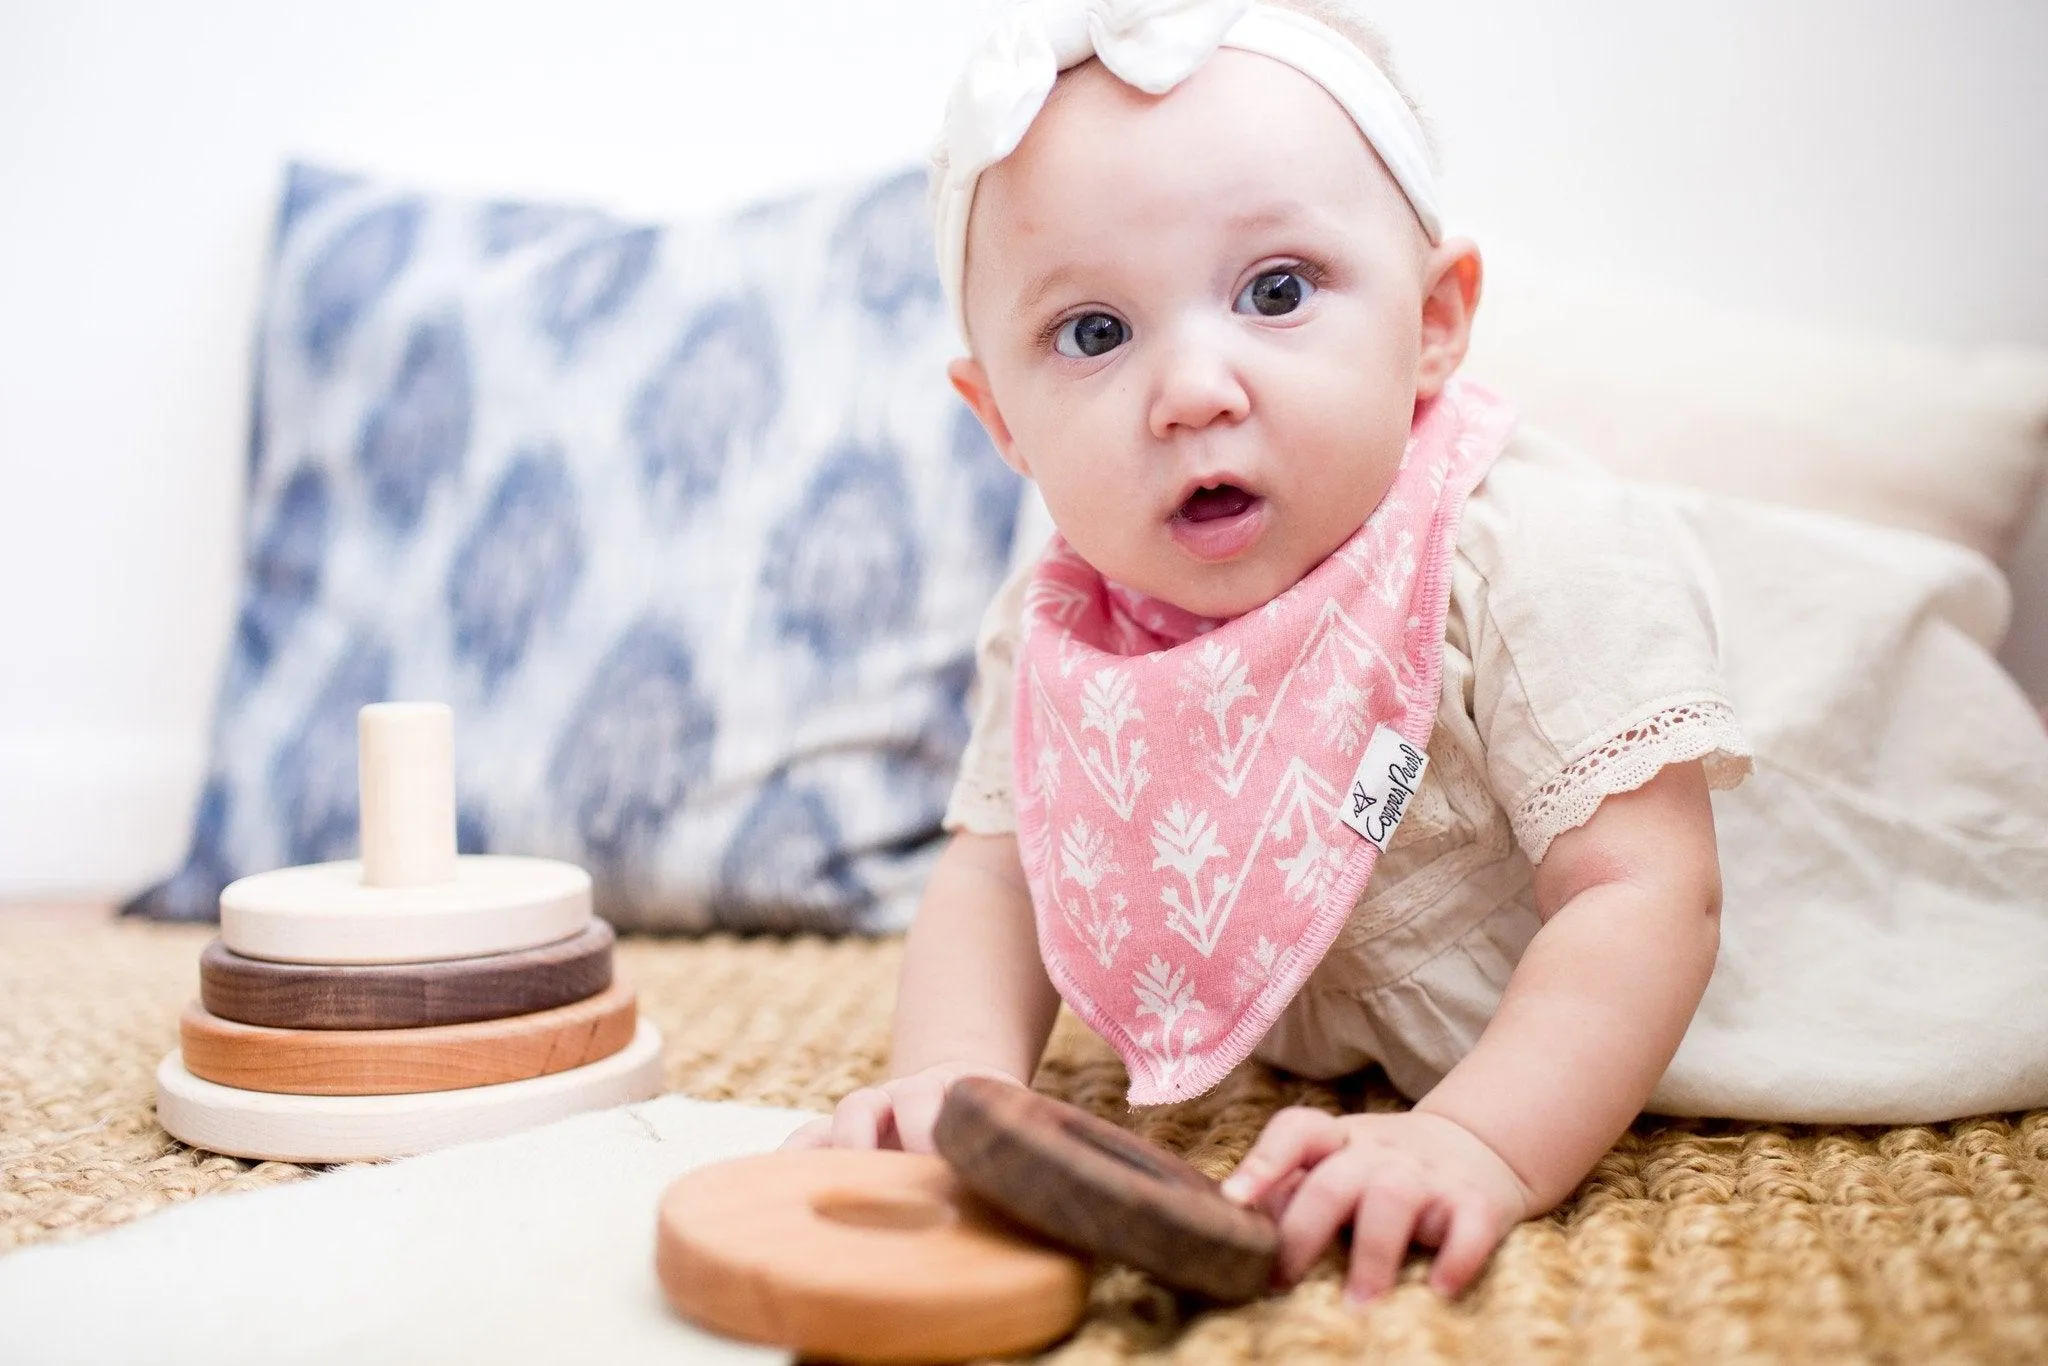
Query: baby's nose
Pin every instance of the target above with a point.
(1196, 384)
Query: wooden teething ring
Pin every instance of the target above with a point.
(1092, 1185)
(405, 995)
(859, 1255)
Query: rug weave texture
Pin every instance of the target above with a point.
(1692, 1242)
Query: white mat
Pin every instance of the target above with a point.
(538, 1247)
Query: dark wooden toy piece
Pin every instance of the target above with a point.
(1102, 1189)
(405, 995)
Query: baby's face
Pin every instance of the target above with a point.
(1201, 322)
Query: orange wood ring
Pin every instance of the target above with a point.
(384, 1062)
(859, 1255)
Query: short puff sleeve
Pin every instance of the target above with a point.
(1595, 656)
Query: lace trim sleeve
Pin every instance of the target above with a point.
(980, 806)
(1704, 728)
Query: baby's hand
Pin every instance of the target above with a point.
(1397, 1179)
(899, 1113)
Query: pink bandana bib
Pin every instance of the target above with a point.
(1199, 804)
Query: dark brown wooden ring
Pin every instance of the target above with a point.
(1102, 1189)
(406, 995)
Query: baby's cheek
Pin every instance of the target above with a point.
(1088, 515)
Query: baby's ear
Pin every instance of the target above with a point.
(1450, 298)
(970, 381)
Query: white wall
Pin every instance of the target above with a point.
(1868, 161)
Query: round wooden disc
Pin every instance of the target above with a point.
(405, 995)
(859, 1255)
(258, 1124)
(1103, 1189)
(325, 913)
(385, 1062)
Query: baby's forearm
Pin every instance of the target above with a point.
(1590, 1020)
(973, 989)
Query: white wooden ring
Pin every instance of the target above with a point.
(258, 1124)
(326, 913)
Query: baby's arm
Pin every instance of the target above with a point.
(1590, 1019)
(972, 999)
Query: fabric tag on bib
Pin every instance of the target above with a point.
(1386, 778)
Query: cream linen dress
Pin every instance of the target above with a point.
(1881, 802)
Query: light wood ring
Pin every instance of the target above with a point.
(859, 1255)
(1091, 1185)
(383, 1062)
(405, 995)
(326, 913)
(257, 1124)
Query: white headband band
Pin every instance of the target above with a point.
(1152, 45)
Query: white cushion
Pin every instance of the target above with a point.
(1944, 439)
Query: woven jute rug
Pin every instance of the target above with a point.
(1692, 1242)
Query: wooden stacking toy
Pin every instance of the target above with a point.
(411, 999)
(868, 1256)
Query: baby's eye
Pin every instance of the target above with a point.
(1090, 335)
(1274, 293)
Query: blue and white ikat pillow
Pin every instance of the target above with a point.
(683, 520)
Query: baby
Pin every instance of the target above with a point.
(1345, 722)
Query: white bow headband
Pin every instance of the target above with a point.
(1152, 45)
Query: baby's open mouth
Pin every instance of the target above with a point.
(1218, 522)
(1209, 505)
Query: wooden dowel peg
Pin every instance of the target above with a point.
(405, 757)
